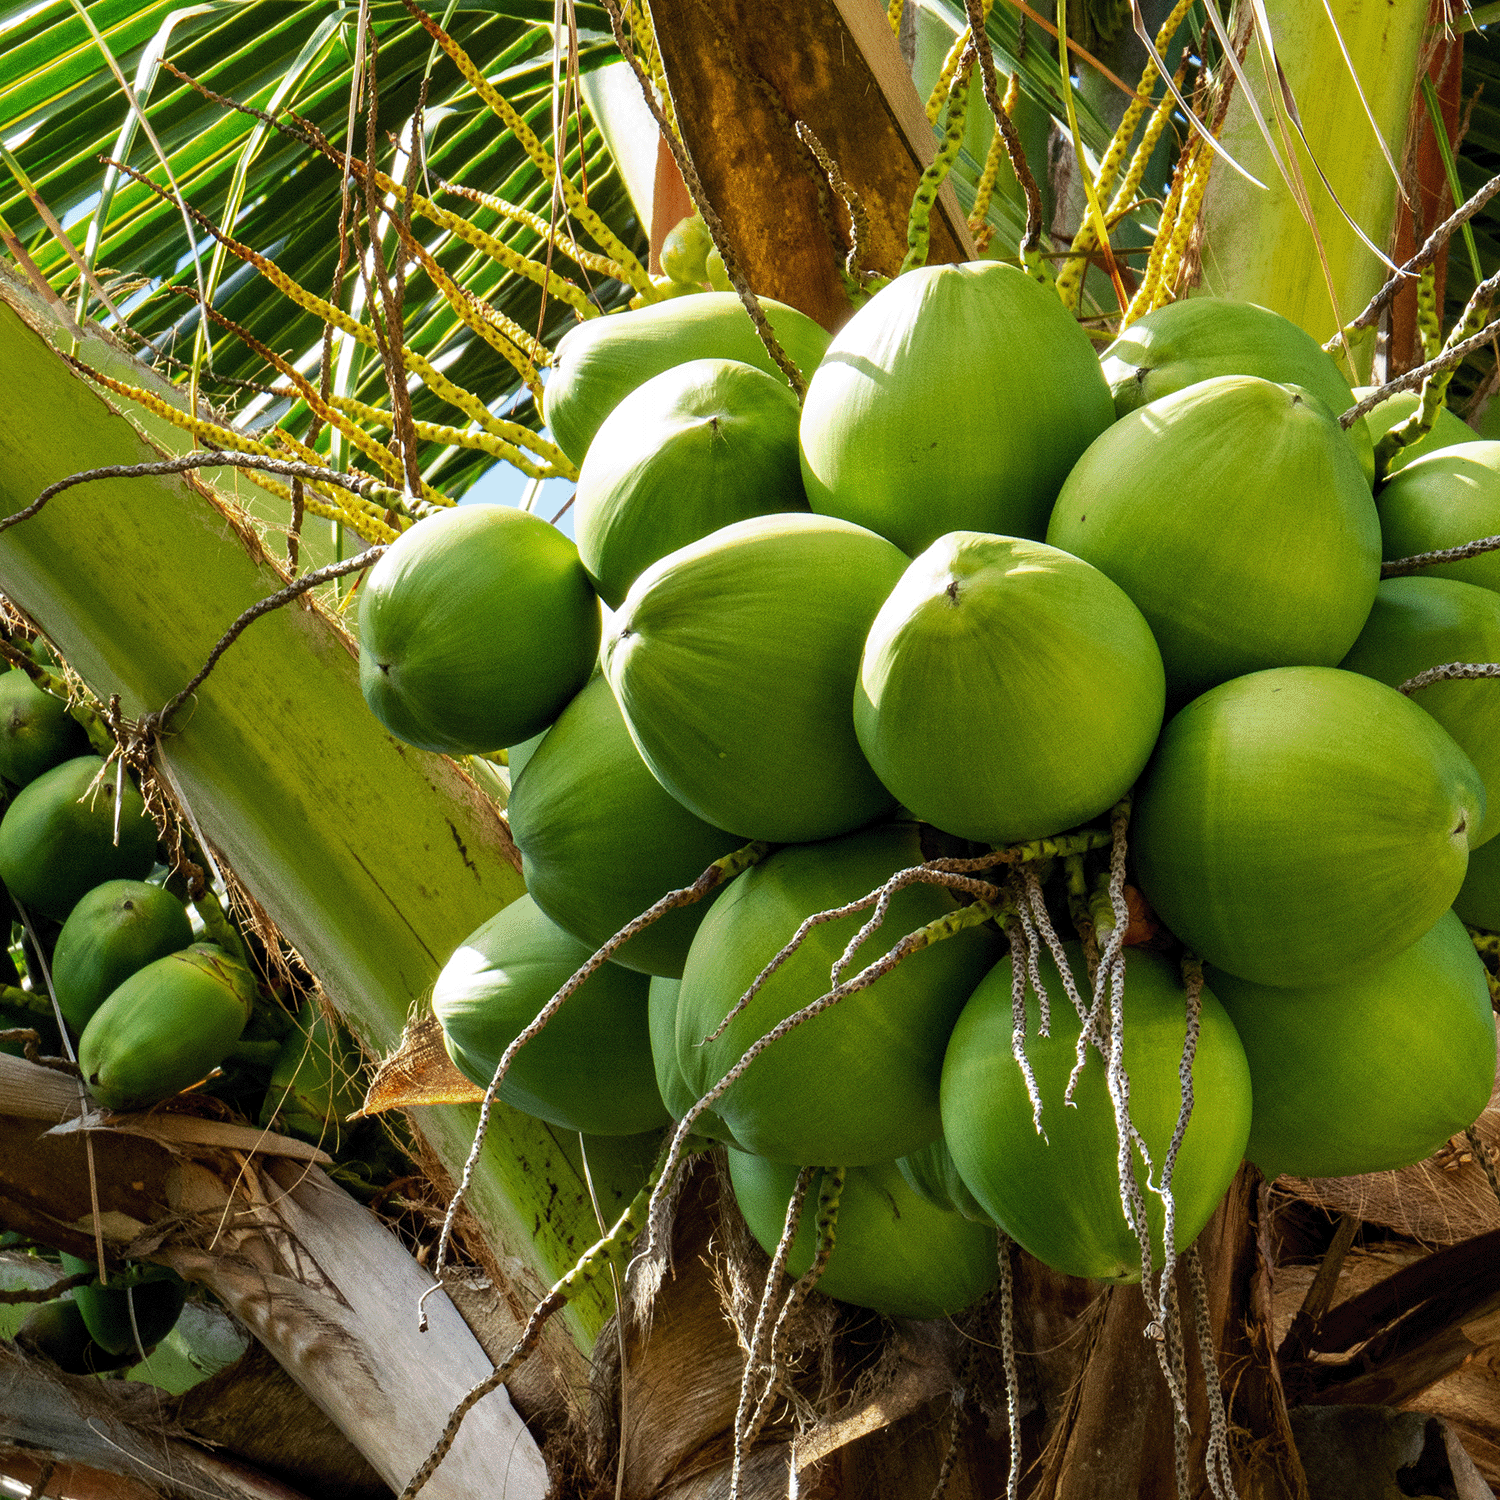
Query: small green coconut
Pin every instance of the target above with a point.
(893, 1251)
(931, 1173)
(1055, 1190)
(166, 1027)
(1445, 498)
(1372, 1073)
(598, 363)
(475, 629)
(36, 730)
(858, 1083)
(734, 661)
(1301, 826)
(316, 1082)
(956, 399)
(1198, 338)
(115, 929)
(136, 1311)
(694, 448)
(57, 838)
(1423, 622)
(601, 839)
(1238, 520)
(590, 1067)
(990, 664)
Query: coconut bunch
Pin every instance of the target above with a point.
(955, 603)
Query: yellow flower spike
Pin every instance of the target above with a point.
(981, 231)
(1142, 302)
(1125, 194)
(372, 529)
(437, 432)
(475, 409)
(944, 85)
(893, 14)
(601, 265)
(1187, 216)
(531, 144)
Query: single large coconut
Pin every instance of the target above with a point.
(956, 399)
(694, 448)
(598, 363)
(734, 662)
(1236, 517)
(590, 1067)
(893, 1251)
(1444, 499)
(1198, 338)
(1302, 825)
(601, 838)
(1056, 1190)
(57, 838)
(990, 664)
(475, 628)
(1371, 1073)
(1422, 622)
(857, 1083)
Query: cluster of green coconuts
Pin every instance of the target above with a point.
(977, 587)
(150, 1010)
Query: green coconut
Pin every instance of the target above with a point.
(858, 1083)
(1478, 899)
(1198, 338)
(598, 363)
(931, 1173)
(1372, 1073)
(115, 929)
(1056, 1190)
(734, 661)
(956, 399)
(590, 1067)
(675, 1093)
(1302, 825)
(166, 1027)
(57, 838)
(1236, 517)
(601, 839)
(135, 1311)
(36, 730)
(990, 664)
(1448, 429)
(1422, 622)
(694, 448)
(316, 1081)
(1445, 498)
(56, 1329)
(475, 629)
(893, 1251)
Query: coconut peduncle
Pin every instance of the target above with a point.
(1405, 566)
(830, 1193)
(743, 1416)
(1452, 671)
(594, 1262)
